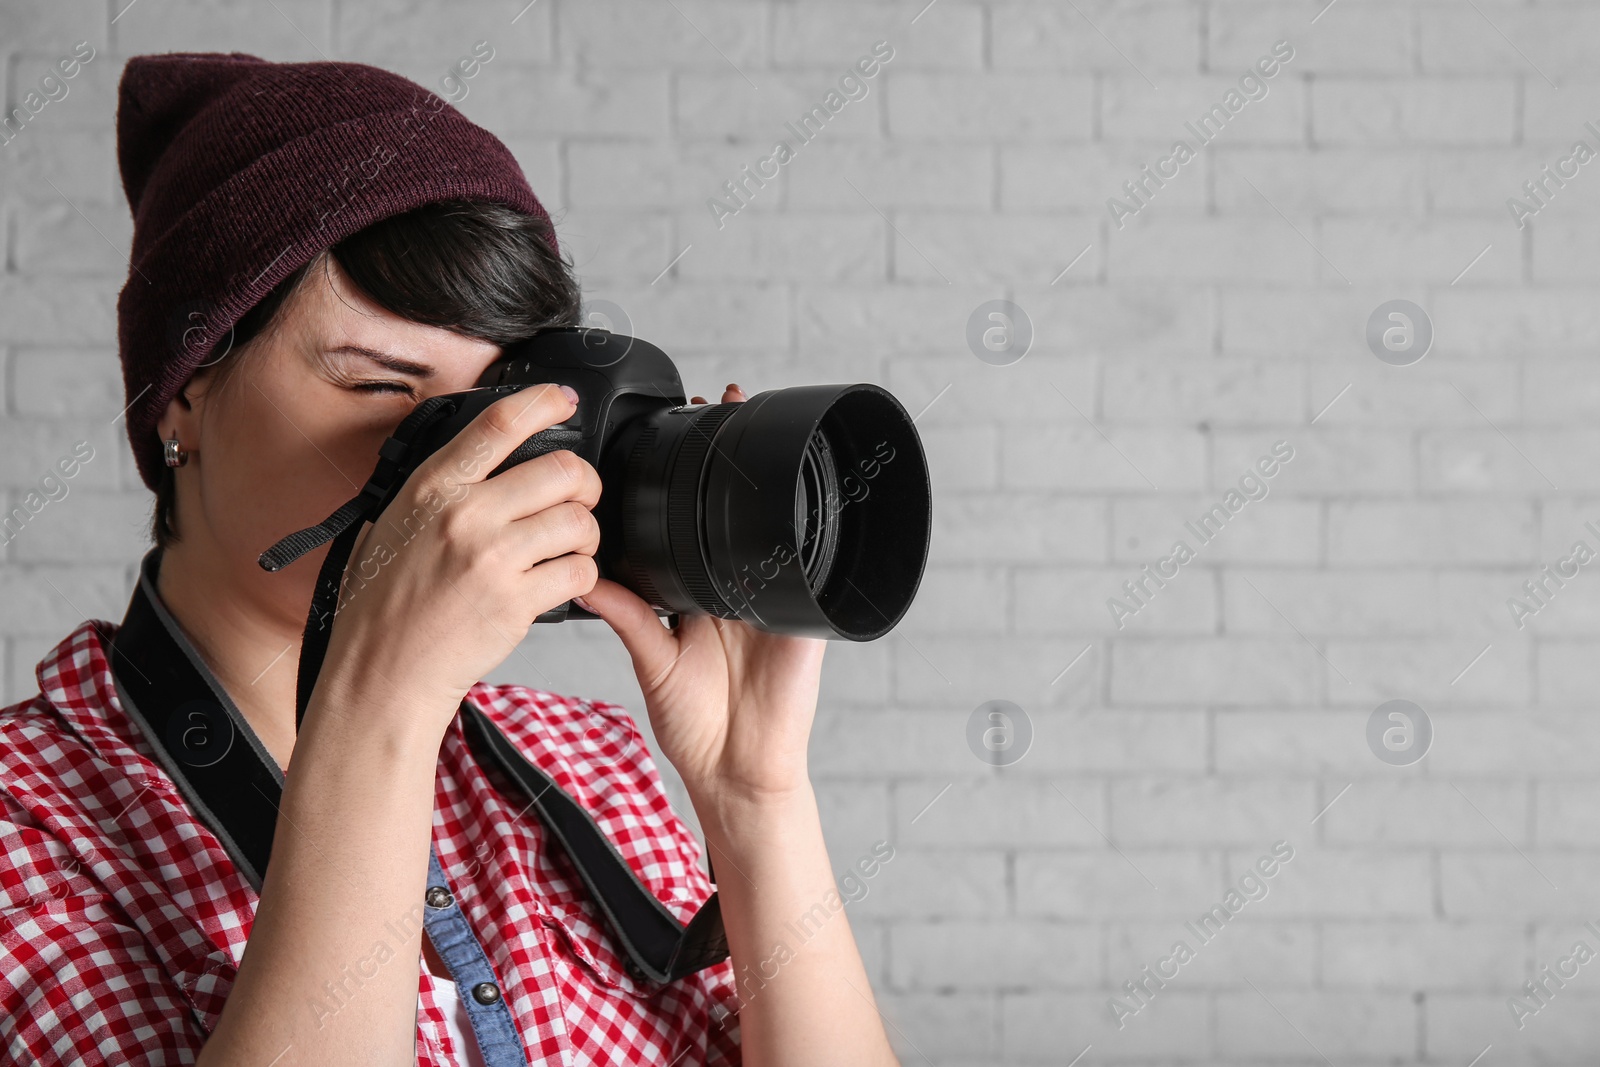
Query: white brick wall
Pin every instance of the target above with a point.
(1224, 316)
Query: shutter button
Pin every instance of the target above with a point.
(486, 992)
(438, 897)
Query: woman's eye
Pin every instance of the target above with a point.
(382, 387)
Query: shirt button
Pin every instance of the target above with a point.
(486, 992)
(438, 897)
(634, 970)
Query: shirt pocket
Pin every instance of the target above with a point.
(594, 950)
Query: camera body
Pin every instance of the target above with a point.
(804, 510)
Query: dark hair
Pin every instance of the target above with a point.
(476, 268)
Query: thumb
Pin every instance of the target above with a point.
(652, 646)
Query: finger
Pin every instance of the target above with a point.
(556, 581)
(652, 646)
(556, 531)
(493, 434)
(733, 394)
(697, 400)
(539, 483)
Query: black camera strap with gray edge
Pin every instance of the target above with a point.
(233, 784)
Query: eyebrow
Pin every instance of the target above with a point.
(387, 360)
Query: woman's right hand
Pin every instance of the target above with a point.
(447, 580)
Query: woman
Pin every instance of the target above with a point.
(317, 248)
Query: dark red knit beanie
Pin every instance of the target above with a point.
(239, 171)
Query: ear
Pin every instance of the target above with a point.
(183, 414)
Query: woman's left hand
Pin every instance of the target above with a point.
(731, 705)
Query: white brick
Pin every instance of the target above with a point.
(53, 27)
(1427, 532)
(80, 525)
(1157, 245)
(941, 884)
(300, 33)
(1505, 460)
(1184, 811)
(1222, 671)
(978, 392)
(1454, 393)
(1102, 882)
(1131, 109)
(1503, 38)
(990, 106)
(1154, 37)
(1374, 671)
(1457, 111)
(1121, 740)
(1364, 883)
(1421, 955)
(1104, 457)
(61, 239)
(993, 248)
(509, 96)
(956, 1024)
(50, 601)
(1249, 1024)
(865, 742)
(1082, 177)
(837, 35)
(1020, 526)
(814, 246)
(986, 955)
(1300, 183)
(1546, 321)
(1366, 38)
(1460, 1025)
(1428, 812)
(1284, 531)
(1118, 321)
(890, 175)
(1503, 885)
(720, 103)
(1253, 946)
(1299, 742)
(1397, 250)
(1074, 601)
(632, 33)
(967, 671)
(1001, 813)
(959, 599)
(1226, 392)
(62, 382)
(1356, 603)
(1050, 1027)
(1324, 461)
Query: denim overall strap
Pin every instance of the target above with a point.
(447, 928)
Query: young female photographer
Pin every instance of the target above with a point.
(317, 248)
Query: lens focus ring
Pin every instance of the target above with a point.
(684, 494)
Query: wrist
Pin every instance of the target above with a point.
(731, 814)
(366, 710)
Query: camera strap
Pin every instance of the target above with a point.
(233, 784)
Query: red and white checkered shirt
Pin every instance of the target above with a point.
(123, 920)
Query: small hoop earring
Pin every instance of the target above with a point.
(175, 456)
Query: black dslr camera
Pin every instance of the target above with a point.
(801, 511)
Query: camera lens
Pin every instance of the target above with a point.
(804, 510)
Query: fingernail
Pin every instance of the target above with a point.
(571, 394)
(584, 604)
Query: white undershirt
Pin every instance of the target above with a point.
(455, 1018)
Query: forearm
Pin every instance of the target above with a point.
(330, 971)
(804, 990)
